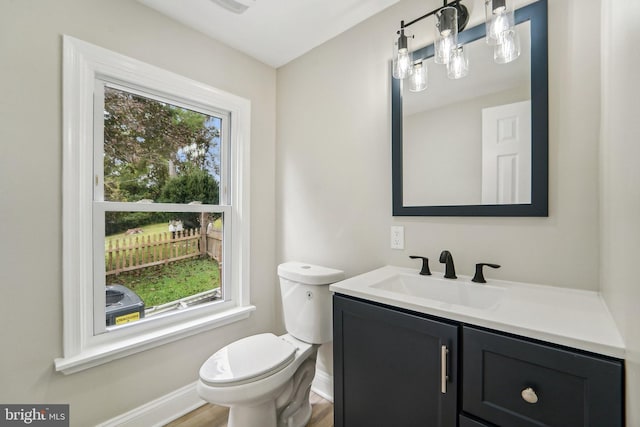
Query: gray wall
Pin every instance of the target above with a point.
(334, 161)
(620, 183)
(31, 187)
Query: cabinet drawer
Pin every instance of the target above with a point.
(513, 382)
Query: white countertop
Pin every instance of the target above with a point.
(570, 317)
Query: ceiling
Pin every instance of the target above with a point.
(272, 31)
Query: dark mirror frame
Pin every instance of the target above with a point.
(536, 13)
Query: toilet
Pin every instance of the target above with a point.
(265, 379)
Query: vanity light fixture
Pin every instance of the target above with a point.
(508, 49)
(402, 56)
(499, 18)
(451, 19)
(501, 30)
(418, 78)
(446, 34)
(458, 66)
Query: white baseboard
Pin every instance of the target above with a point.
(322, 385)
(160, 411)
(171, 406)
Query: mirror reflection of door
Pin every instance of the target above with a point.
(506, 154)
(442, 129)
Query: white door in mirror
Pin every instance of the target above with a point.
(506, 154)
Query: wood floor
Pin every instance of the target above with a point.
(216, 416)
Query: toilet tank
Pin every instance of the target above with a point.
(306, 300)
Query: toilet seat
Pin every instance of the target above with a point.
(247, 360)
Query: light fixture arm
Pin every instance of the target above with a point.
(402, 40)
(463, 15)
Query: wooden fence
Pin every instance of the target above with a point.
(214, 245)
(136, 252)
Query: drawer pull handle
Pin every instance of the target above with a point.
(529, 395)
(443, 369)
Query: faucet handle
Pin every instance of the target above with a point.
(425, 265)
(479, 277)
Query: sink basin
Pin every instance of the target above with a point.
(442, 290)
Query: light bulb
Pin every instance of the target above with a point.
(499, 18)
(403, 64)
(458, 65)
(443, 48)
(418, 79)
(499, 24)
(508, 47)
(402, 57)
(446, 34)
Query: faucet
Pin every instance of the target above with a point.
(425, 265)
(447, 260)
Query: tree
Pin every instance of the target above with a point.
(144, 136)
(194, 185)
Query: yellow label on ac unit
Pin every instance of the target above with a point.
(127, 318)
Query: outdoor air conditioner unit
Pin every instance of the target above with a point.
(235, 6)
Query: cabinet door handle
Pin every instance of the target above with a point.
(443, 369)
(529, 395)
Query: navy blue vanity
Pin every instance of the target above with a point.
(403, 359)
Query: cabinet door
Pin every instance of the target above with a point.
(389, 367)
(513, 382)
(468, 422)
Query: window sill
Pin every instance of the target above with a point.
(100, 354)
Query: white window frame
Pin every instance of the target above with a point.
(84, 346)
(101, 207)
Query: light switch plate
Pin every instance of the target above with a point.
(397, 237)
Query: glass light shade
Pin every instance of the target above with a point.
(458, 65)
(418, 79)
(442, 49)
(508, 48)
(402, 57)
(499, 18)
(446, 34)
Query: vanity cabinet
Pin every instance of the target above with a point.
(389, 369)
(392, 368)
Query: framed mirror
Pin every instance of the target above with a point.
(452, 145)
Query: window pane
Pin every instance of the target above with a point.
(157, 151)
(159, 262)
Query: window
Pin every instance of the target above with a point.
(158, 212)
(155, 206)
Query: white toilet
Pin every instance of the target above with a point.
(265, 379)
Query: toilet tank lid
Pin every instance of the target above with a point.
(309, 274)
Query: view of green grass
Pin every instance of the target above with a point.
(159, 285)
(147, 230)
(165, 283)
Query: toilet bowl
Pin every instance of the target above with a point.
(258, 377)
(265, 379)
